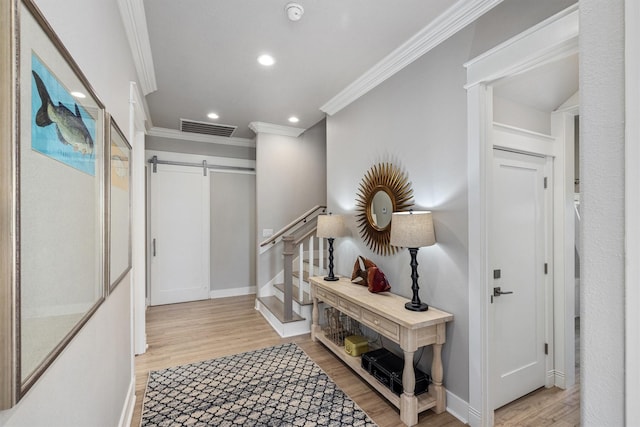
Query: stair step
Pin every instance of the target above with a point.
(275, 306)
(305, 275)
(316, 261)
(306, 298)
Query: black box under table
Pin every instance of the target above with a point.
(387, 368)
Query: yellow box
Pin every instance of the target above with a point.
(355, 345)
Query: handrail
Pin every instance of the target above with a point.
(286, 228)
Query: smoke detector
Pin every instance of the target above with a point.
(294, 11)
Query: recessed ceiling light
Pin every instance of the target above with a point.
(266, 60)
(294, 119)
(213, 116)
(78, 95)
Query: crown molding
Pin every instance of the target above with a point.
(143, 119)
(554, 38)
(458, 16)
(262, 127)
(196, 137)
(135, 26)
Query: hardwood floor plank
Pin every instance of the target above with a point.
(190, 332)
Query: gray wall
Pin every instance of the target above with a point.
(233, 230)
(290, 179)
(602, 147)
(88, 383)
(417, 120)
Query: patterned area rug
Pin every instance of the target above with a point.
(275, 386)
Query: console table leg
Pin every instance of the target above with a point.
(315, 327)
(436, 377)
(408, 400)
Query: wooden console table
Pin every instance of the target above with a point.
(385, 314)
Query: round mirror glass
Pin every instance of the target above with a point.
(381, 209)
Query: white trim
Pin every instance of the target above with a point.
(129, 404)
(137, 126)
(522, 140)
(233, 292)
(458, 16)
(135, 26)
(480, 117)
(475, 417)
(138, 111)
(262, 127)
(632, 214)
(550, 40)
(553, 39)
(564, 235)
(196, 137)
(559, 378)
(457, 407)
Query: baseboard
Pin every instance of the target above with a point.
(558, 379)
(129, 405)
(457, 407)
(475, 417)
(233, 292)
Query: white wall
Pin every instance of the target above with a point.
(417, 120)
(290, 179)
(602, 155)
(88, 384)
(512, 113)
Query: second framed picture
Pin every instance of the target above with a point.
(119, 205)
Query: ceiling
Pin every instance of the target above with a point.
(544, 88)
(205, 55)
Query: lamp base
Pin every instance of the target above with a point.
(416, 307)
(331, 279)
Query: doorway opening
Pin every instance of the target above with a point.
(519, 89)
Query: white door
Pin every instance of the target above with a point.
(517, 249)
(179, 234)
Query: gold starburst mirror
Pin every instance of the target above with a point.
(384, 189)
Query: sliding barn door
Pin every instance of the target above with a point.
(179, 235)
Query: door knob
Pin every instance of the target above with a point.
(497, 292)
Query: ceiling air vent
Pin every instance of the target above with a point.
(206, 128)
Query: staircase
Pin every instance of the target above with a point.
(285, 301)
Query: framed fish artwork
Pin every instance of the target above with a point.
(53, 241)
(119, 203)
(62, 128)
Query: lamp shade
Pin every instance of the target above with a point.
(412, 229)
(330, 226)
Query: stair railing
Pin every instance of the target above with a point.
(290, 241)
(295, 224)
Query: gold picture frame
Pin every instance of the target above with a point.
(118, 262)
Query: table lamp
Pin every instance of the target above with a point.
(413, 230)
(330, 226)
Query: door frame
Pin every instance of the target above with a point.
(551, 40)
(137, 131)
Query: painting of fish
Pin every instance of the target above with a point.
(61, 128)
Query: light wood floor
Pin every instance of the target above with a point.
(190, 332)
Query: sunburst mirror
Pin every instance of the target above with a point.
(384, 189)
